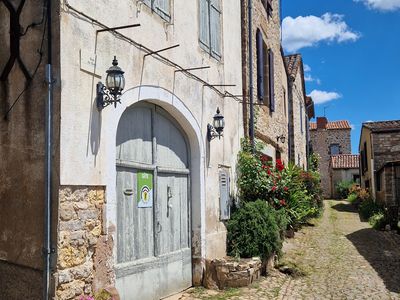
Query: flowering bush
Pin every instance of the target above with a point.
(290, 187)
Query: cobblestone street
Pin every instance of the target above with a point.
(340, 258)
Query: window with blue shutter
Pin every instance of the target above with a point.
(210, 27)
(160, 7)
(224, 195)
(271, 81)
(301, 117)
(260, 65)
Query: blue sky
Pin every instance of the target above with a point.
(351, 50)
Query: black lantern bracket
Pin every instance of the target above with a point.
(216, 130)
(105, 97)
(110, 92)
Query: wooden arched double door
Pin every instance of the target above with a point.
(153, 207)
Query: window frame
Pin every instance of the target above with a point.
(333, 145)
(166, 16)
(213, 5)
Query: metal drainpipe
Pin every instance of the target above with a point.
(251, 121)
(49, 110)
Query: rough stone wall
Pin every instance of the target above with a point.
(299, 124)
(269, 124)
(386, 148)
(84, 263)
(321, 139)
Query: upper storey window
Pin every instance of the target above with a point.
(268, 6)
(265, 73)
(334, 149)
(210, 27)
(160, 7)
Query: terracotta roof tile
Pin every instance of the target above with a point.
(383, 125)
(343, 124)
(345, 161)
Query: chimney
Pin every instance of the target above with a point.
(321, 122)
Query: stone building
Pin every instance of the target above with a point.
(107, 228)
(343, 167)
(327, 139)
(379, 150)
(267, 80)
(301, 110)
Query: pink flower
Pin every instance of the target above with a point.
(273, 188)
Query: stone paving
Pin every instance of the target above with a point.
(340, 258)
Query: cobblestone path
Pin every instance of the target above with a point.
(340, 258)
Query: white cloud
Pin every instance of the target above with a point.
(308, 31)
(353, 126)
(309, 78)
(307, 68)
(382, 5)
(320, 97)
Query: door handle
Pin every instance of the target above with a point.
(159, 227)
(128, 192)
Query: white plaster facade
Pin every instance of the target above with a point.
(87, 136)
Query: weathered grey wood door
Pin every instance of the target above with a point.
(153, 235)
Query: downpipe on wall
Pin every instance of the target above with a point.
(251, 100)
(47, 249)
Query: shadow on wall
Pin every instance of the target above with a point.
(381, 250)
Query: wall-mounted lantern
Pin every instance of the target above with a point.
(111, 92)
(282, 138)
(216, 129)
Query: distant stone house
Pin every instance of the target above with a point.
(343, 167)
(301, 110)
(379, 150)
(327, 139)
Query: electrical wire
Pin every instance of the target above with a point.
(34, 24)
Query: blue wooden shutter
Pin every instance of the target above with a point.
(260, 65)
(215, 23)
(161, 7)
(271, 81)
(224, 199)
(301, 117)
(147, 2)
(205, 22)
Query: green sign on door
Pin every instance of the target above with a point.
(145, 189)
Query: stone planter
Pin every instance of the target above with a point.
(229, 272)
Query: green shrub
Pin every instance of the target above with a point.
(343, 188)
(352, 198)
(368, 208)
(377, 220)
(255, 229)
(313, 162)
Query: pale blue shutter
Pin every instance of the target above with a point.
(260, 65)
(215, 27)
(301, 117)
(205, 23)
(162, 8)
(224, 199)
(271, 81)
